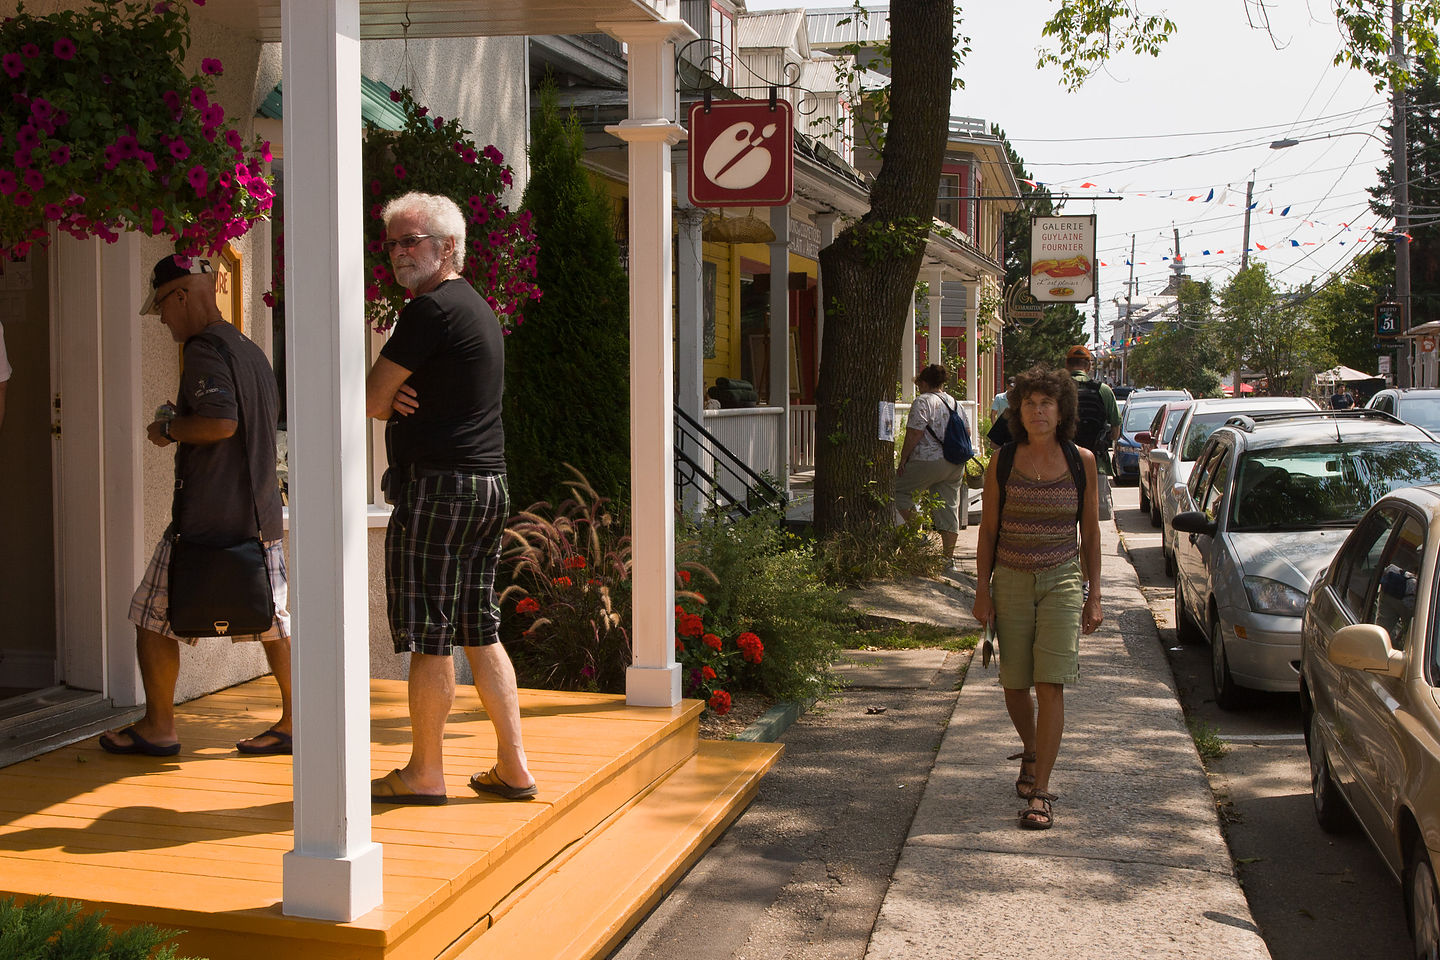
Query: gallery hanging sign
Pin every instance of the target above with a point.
(741, 153)
(1062, 259)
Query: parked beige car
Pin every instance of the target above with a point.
(1370, 694)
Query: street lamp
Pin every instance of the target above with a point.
(1400, 176)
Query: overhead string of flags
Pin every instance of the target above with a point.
(1365, 234)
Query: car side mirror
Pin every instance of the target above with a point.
(1159, 455)
(1366, 646)
(1193, 521)
(1144, 436)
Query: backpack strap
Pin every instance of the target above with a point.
(1077, 473)
(930, 429)
(1005, 462)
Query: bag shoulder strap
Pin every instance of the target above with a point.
(930, 429)
(224, 350)
(1077, 474)
(1004, 463)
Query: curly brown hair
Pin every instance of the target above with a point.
(1055, 384)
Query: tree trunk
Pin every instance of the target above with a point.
(869, 273)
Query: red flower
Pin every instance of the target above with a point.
(679, 645)
(562, 582)
(690, 625)
(574, 563)
(720, 702)
(707, 672)
(528, 605)
(750, 647)
(711, 641)
(684, 575)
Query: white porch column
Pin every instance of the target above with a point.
(690, 327)
(907, 355)
(653, 679)
(972, 353)
(826, 224)
(334, 872)
(937, 303)
(780, 336)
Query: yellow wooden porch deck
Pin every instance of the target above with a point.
(630, 798)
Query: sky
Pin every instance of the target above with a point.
(1200, 118)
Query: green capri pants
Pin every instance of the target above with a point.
(1037, 624)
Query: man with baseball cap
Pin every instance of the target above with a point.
(1097, 409)
(223, 428)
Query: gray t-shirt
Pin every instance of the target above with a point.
(215, 499)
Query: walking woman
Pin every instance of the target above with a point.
(1037, 489)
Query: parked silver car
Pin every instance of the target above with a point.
(1370, 695)
(1417, 405)
(1176, 461)
(1271, 499)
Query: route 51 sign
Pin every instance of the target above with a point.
(1387, 319)
(742, 153)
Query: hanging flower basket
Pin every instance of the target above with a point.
(102, 130)
(435, 155)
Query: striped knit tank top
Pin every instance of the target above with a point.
(1037, 529)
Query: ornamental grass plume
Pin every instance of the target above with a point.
(105, 130)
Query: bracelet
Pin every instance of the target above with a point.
(165, 430)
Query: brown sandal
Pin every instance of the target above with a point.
(1025, 783)
(1036, 818)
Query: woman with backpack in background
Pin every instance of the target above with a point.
(922, 458)
(1038, 489)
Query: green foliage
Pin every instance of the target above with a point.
(762, 579)
(113, 134)
(568, 585)
(1269, 331)
(47, 929)
(1367, 24)
(571, 404)
(437, 156)
(1183, 355)
(1207, 740)
(1343, 311)
(873, 547)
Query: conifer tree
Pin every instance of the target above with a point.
(567, 377)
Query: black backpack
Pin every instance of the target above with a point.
(956, 445)
(1092, 420)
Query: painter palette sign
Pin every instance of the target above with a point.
(742, 153)
(1062, 259)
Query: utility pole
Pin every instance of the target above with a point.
(1125, 337)
(1400, 173)
(1245, 245)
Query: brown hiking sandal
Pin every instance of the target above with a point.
(1025, 783)
(1035, 818)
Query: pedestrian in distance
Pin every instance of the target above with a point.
(1098, 418)
(438, 383)
(922, 458)
(223, 426)
(1342, 399)
(1038, 488)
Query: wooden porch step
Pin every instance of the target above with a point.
(584, 902)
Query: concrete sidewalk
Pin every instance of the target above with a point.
(1136, 865)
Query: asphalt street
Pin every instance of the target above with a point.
(1312, 894)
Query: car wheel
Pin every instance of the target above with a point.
(1144, 498)
(1169, 556)
(1229, 695)
(1185, 629)
(1331, 811)
(1155, 519)
(1421, 902)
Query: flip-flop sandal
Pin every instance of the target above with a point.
(137, 745)
(1025, 783)
(490, 782)
(1034, 818)
(284, 744)
(392, 788)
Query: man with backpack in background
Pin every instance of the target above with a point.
(1097, 419)
(937, 446)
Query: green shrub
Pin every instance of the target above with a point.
(879, 549)
(47, 929)
(756, 577)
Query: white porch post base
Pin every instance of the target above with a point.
(649, 131)
(653, 686)
(327, 888)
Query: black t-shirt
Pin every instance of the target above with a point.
(453, 347)
(215, 501)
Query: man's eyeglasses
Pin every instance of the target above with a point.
(166, 297)
(405, 243)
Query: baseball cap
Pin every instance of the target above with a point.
(1078, 352)
(167, 271)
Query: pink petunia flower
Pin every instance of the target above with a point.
(34, 179)
(31, 51)
(157, 220)
(232, 139)
(28, 137)
(53, 211)
(179, 149)
(198, 178)
(65, 48)
(399, 172)
(198, 98)
(211, 67)
(396, 96)
(60, 156)
(7, 183)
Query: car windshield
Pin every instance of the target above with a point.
(1301, 488)
(1138, 416)
(1204, 424)
(1421, 411)
(1172, 420)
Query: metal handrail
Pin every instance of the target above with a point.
(756, 489)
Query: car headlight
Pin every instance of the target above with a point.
(1273, 597)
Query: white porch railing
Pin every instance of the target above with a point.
(752, 434)
(802, 430)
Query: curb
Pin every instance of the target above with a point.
(772, 723)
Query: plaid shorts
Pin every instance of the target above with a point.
(442, 549)
(150, 606)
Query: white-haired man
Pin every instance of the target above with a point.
(438, 382)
